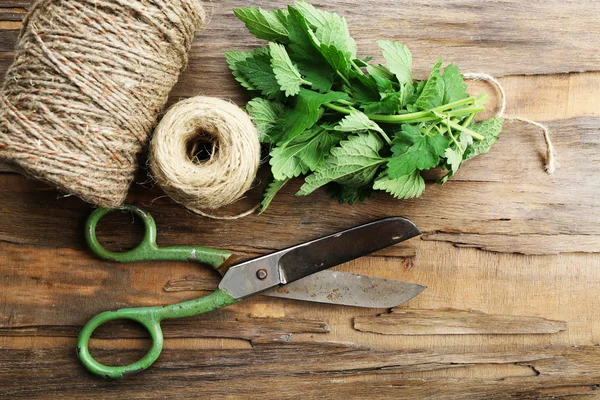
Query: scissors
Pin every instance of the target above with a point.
(299, 272)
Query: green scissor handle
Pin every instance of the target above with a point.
(147, 250)
(150, 318)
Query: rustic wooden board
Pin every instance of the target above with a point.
(449, 321)
(502, 237)
(323, 370)
(536, 37)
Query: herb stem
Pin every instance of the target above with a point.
(342, 110)
(458, 127)
(426, 116)
(463, 111)
(468, 120)
(343, 78)
(419, 116)
(385, 136)
(452, 136)
(345, 102)
(356, 67)
(456, 103)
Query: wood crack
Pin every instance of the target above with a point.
(318, 370)
(448, 321)
(522, 243)
(253, 329)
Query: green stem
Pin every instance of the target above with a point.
(343, 78)
(346, 111)
(463, 111)
(305, 82)
(419, 116)
(441, 129)
(468, 120)
(461, 128)
(452, 136)
(456, 103)
(345, 102)
(356, 67)
(385, 137)
(340, 109)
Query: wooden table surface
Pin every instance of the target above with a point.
(509, 253)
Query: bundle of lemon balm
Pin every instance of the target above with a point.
(349, 123)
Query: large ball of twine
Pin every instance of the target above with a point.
(86, 86)
(234, 149)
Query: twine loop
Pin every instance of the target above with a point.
(551, 162)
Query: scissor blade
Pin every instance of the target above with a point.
(286, 266)
(336, 287)
(336, 249)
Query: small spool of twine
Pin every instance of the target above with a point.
(226, 175)
(87, 84)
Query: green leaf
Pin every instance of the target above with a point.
(456, 154)
(454, 158)
(233, 57)
(357, 122)
(328, 33)
(265, 116)
(301, 47)
(257, 70)
(354, 163)
(490, 129)
(380, 71)
(399, 60)
(349, 195)
(417, 90)
(363, 88)
(306, 112)
(310, 61)
(362, 63)
(388, 106)
(331, 29)
(303, 154)
(267, 25)
(414, 150)
(433, 91)
(391, 103)
(402, 187)
(335, 57)
(383, 78)
(319, 74)
(287, 75)
(454, 85)
(270, 193)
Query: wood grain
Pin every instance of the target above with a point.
(455, 322)
(323, 370)
(473, 34)
(251, 329)
(529, 38)
(502, 237)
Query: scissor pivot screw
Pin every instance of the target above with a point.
(261, 274)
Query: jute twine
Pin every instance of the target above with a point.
(86, 86)
(234, 157)
(551, 162)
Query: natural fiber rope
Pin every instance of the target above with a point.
(233, 163)
(551, 162)
(87, 84)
